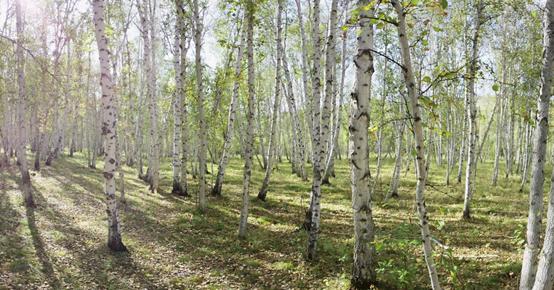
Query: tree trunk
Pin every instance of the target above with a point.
(330, 67)
(472, 114)
(109, 120)
(318, 149)
(272, 138)
(363, 268)
(216, 190)
(249, 142)
(26, 187)
(421, 170)
(202, 125)
(529, 263)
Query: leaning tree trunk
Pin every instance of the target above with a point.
(529, 263)
(224, 159)
(109, 120)
(272, 138)
(363, 268)
(249, 141)
(472, 114)
(26, 187)
(421, 170)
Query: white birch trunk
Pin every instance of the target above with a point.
(109, 119)
(472, 114)
(177, 101)
(26, 187)
(421, 170)
(318, 149)
(224, 159)
(363, 268)
(198, 27)
(249, 141)
(529, 263)
(276, 105)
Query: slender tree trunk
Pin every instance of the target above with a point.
(198, 27)
(26, 187)
(462, 145)
(530, 255)
(472, 114)
(299, 147)
(363, 269)
(249, 142)
(305, 65)
(395, 180)
(109, 120)
(184, 46)
(177, 101)
(318, 149)
(330, 66)
(216, 190)
(421, 170)
(273, 131)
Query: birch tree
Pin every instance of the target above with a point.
(276, 105)
(472, 112)
(109, 119)
(363, 269)
(224, 159)
(249, 139)
(178, 49)
(318, 150)
(202, 125)
(330, 67)
(530, 254)
(421, 169)
(26, 187)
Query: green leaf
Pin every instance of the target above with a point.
(426, 79)
(495, 87)
(444, 4)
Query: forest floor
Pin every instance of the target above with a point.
(62, 243)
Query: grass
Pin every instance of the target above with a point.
(61, 244)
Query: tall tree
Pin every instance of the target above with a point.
(178, 49)
(530, 255)
(276, 105)
(421, 166)
(109, 120)
(26, 187)
(318, 150)
(249, 139)
(202, 125)
(224, 159)
(472, 111)
(363, 269)
(330, 67)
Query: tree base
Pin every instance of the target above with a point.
(359, 283)
(117, 245)
(325, 181)
(466, 215)
(262, 195)
(178, 189)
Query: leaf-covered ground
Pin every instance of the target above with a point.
(61, 244)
